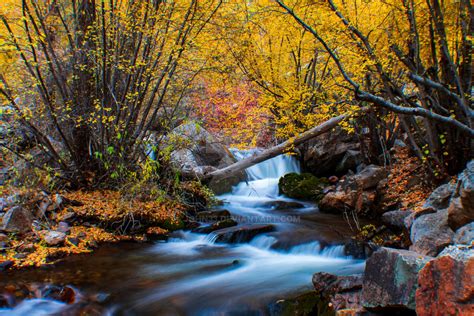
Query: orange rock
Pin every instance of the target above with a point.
(446, 284)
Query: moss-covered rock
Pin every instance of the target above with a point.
(309, 303)
(302, 186)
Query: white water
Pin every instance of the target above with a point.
(260, 271)
(192, 275)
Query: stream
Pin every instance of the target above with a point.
(191, 274)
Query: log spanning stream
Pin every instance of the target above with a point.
(191, 274)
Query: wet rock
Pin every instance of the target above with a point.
(54, 238)
(461, 207)
(283, 205)
(241, 234)
(5, 265)
(342, 292)
(359, 249)
(213, 216)
(390, 279)
(445, 284)
(18, 220)
(430, 233)
(395, 219)
(302, 186)
(464, 235)
(329, 284)
(302, 305)
(215, 226)
(322, 154)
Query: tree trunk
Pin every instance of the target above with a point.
(276, 150)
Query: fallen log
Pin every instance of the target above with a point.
(276, 150)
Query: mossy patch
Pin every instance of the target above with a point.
(303, 186)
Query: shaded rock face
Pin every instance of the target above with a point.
(324, 154)
(446, 284)
(465, 235)
(302, 186)
(430, 233)
(439, 198)
(302, 305)
(241, 234)
(343, 292)
(395, 219)
(390, 279)
(356, 192)
(461, 208)
(283, 205)
(370, 176)
(202, 155)
(17, 219)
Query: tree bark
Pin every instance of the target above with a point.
(276, 150)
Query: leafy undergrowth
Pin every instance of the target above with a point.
(408, 183)
(92, 217)
(32, 251)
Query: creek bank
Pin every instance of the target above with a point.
(432, 275)
(39, 228)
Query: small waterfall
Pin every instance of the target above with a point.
(262, 185)
(194, 275)
(270, 169)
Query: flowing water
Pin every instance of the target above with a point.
(190, 274)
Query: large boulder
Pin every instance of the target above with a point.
(461, 208)
(395, 219)
(439, 198)
(370, 176)
(446, 284)
(198, 152)
(302, 186)
(17, 220)
(324, 154)
(241, 234)
(355, 192)
(351, 160)
(390, 279)
(338, 201)
(430, 233)
(207, 229)
(343, 292)
(465, 235)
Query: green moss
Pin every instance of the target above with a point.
(305, 304)
(172, 224)
(302, 186)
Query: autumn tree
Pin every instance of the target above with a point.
(423, 71)
(98, 76)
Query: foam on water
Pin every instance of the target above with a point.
(205, 277)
